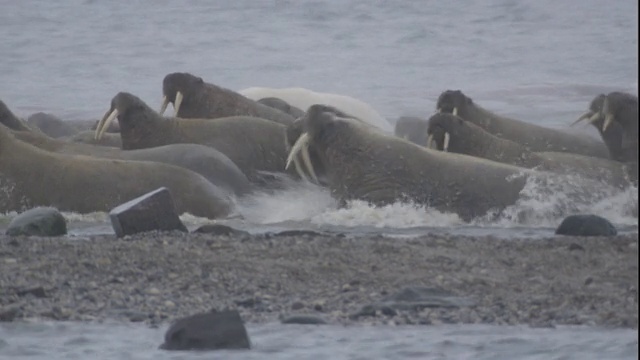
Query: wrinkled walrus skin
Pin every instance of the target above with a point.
(202, 100)
(31, 177)
(364, 163)
(533, 137)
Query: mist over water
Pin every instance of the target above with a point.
(539, 61)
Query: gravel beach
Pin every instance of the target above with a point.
(159, 277)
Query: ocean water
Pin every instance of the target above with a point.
(540, 61)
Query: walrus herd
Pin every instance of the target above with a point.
(220, 145)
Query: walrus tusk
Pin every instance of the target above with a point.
(302, 145)
(177, 103)
(296, 164)
(586, 115)
(608, 119)
(103, 125)
(163, 106)
(445, 147)
(439, 110)
(593, 118)
(429, 141)
(455, 111)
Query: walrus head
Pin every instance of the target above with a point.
(177, 86)
(444, 132)
(307, 152)
(620, 107)
(317, 123)
(126, 107)
(453, 102)
(594, 115)
(8, 119)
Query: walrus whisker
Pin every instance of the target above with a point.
(177, 103)
(447, 137)
(103, 125)
(163, 106)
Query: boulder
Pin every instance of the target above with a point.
(152, 211)
(39, 221)
(586, 225)
(207, 331)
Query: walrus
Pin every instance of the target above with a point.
(192, 97)
(303, 98)
(448, 132)
(613, 136)
(255, 145)
(31, 177)
(412, 128)
(216, 167)
(534, 137)
(110, 139)
(51, 125)
(282, 105)
(9, 119)
(364, 163)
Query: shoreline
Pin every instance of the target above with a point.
(157, 278)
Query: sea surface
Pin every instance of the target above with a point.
(540, 61)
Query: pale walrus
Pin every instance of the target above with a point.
(364, 163)
(534, 137)
(204, 160)
(303, 98)
(447, 132)
(255, 145)
(192, 97)
(34, 177)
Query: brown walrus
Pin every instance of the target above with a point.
(534, 137)
(364, 163)
(192, 97)
(615, 115)
(109, 139)
(255, 145)
(447, 132)
(282, 105)
(32, 177)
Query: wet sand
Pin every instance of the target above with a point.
(158, 277)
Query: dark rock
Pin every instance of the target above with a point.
(207, 331)
(303, 320)
(217, 229)
(50, 125)
(152, 211)
(586, 225)
(38, 292)
(39, 221)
